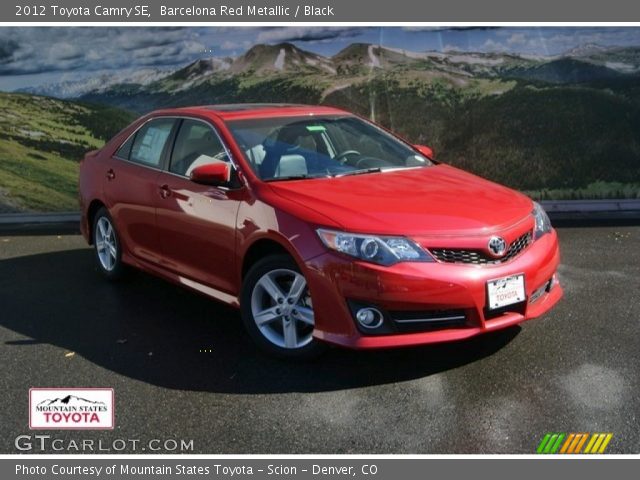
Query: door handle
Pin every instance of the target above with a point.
(165, 191)
(111, 174)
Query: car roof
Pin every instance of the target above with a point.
(236, 111)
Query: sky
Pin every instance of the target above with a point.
(32, 56)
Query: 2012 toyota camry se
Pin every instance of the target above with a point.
(322, 227)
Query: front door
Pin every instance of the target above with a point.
(197, 223)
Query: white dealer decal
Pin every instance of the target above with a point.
(71, 408)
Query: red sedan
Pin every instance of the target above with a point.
(319, 225)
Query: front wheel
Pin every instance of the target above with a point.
(277, 310)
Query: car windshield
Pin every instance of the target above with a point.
(320, 146)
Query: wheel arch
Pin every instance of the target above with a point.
(263, 247)
(94, 206)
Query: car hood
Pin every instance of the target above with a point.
(424, 201)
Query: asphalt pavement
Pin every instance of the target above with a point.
(183, 368)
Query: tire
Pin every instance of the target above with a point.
(275, 292)
(107, 247)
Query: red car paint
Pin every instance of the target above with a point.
(202, 236)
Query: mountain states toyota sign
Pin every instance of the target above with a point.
(71, 409)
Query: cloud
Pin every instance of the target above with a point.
(306, 34)
(479, 27)
(491, 45)
(228, 45)
(143, 38)
(7, 48)
(66, 51)
(517, 39)
(446, 29)
(40, 50)
(450, 48)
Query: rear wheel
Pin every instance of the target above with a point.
(106, 245)
(277, 310)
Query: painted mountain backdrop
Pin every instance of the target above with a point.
(556, 126)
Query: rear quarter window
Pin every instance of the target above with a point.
(125, 149)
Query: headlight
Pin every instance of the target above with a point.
(543, 224)
(380, 250)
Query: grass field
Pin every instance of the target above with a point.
(41, 142)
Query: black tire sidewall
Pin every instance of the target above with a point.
(119, 269)
(273, 262)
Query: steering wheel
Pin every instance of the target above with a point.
(342, 156)
(371, 162)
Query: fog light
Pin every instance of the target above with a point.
(369, 317)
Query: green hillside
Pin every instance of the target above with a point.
(564, 70)
(553, 138)
(554, 142)
(41, 142)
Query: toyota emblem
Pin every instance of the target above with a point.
(497, 246)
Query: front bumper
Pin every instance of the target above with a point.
(335, 280)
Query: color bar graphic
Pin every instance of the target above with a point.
(573, 443)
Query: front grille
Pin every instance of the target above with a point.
(479, 257)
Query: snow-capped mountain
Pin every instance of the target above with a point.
(282, 57)
(584, 63)
(586, 50)
(620, 59)
(99, 83)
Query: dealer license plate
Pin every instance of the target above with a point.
(505, 291)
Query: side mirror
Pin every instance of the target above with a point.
(218, 173)
(426, 151)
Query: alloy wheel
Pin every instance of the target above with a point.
(282, 310)
(106, 244)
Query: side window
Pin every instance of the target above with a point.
(196, 144)
(150, 141)
(125, 149)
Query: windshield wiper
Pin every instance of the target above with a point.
(294, 177)
(359, 172)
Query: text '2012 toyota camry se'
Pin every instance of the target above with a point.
(322, 227)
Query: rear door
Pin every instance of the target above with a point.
(197, 223)
(131, 188)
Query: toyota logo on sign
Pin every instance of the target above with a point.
(497, 246)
